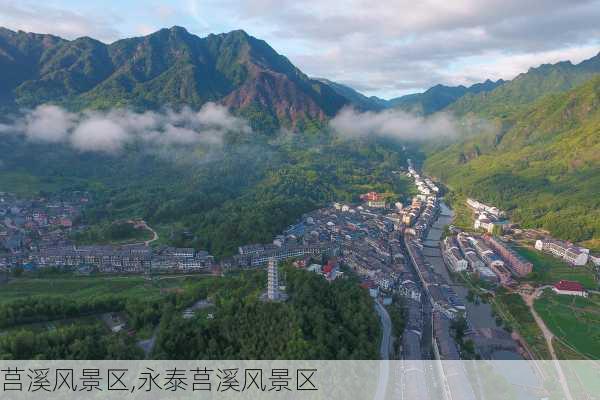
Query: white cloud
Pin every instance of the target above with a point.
(97, 133)
(48, 123)
(403, 126)
(40, 17)
(110, 131)
(394, 124)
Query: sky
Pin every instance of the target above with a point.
(384, 48)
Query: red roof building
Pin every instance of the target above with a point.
(372, 196)
(569, 288)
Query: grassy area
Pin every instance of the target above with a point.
(549, 270)
(575, 320)
(88, 286)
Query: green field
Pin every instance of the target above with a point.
(575, 320)
(76, 287)
(549, 270)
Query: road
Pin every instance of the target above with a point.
(384, 366)
(386, 324)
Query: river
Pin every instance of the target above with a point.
(479, 314)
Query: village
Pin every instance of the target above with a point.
(36, 234)
(385, 243)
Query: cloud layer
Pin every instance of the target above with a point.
(110, 131)
(403, 126)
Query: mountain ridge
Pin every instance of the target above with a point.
(168, 67)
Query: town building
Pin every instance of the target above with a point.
(374, 200)
(572, 254)
(569, 288)
(517, 264)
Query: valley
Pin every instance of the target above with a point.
(145, 176)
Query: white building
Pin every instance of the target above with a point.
(572, 254)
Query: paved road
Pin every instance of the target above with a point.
(384, 366)
(386, 324)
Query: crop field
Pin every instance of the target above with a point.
(574, 320)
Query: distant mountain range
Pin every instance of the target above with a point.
(432, 100)
(175, 68)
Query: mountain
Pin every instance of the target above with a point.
(544, 166)
(170, 67)
(356, 99)
(439, 97)
(527, 88)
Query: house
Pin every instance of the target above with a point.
(374, 200)
(569, 288)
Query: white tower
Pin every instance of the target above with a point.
(273, 280)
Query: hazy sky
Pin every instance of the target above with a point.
(385, 48)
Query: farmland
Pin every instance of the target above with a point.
(574, 320)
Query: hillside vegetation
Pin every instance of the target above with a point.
(543, 164)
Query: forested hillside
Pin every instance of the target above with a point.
(242, 193)
(321, 320)
(543, 164)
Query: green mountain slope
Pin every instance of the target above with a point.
(170, 67)
(527, 88)
(544, 168)
(439, 97)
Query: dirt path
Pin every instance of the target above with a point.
(155, 236)
(548, 335)
(147, 227)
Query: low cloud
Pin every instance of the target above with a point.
(110, 131)
(394, 124)
(404, 126)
